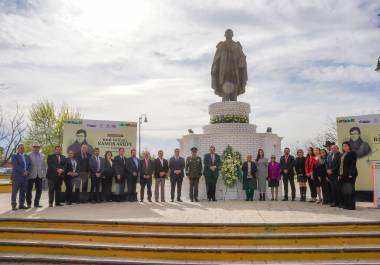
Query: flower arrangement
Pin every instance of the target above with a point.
(229, 119)
(231, 166)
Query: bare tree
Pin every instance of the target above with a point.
(328, 134)
(11, 133)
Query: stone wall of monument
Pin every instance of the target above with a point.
(241, 136)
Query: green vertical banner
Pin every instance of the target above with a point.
(363, 134)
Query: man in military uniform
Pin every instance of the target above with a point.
(212, 165)
(194, 172)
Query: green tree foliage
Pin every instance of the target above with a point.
(46, 124)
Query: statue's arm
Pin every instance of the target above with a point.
(242, 57)
(214, 67)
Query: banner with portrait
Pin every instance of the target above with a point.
(106, 135)
(363, 134)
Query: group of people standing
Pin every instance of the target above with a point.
(78, 168)
(330, 174)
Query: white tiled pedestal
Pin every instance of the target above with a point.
(240, 136)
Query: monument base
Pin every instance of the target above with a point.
(229, 125)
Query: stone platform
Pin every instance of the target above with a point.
(202, 212)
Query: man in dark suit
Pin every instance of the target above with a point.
(332, 166)
(133, 173)
(146, 173)
(83, 159)
(287, 171)
(161, 169)
(71, 179)
(21, 167)
(55, 173)
(176, 166)
(211, 168)
(120, 162)
(96, 168)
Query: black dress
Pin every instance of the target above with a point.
(108, 175)
(319, 172)
(299, 166)
(348, 173)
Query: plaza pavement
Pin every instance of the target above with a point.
(192, 212)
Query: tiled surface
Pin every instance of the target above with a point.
(202, 212)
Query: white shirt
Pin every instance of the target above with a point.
(249, 175)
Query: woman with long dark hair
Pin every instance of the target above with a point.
(108, 175)
(316, 174)
(262, 173)
(325, 185)
(320, 172)
(348, 173)
(299, 166)
(309, 167)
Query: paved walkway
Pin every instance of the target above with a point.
(202, 212)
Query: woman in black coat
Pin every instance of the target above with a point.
(108, 175)
(348, 173)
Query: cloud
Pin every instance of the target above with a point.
(307, 60)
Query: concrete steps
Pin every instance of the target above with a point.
(175, 243)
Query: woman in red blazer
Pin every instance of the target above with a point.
(309, 167)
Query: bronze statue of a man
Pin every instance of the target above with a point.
(229, 69)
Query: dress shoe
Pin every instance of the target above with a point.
(293, 199)
(22, 207)
(50, 205)
(163, 201)
(284, 199)
(179, 200)
(38, 206)
(171, 200)
(14, 208)
(58, 204)
(191, 200)
(29, 206)
(196, 200)
(334, 205)
(149, 200)
(214, 200)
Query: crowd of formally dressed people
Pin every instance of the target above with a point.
(329, 173)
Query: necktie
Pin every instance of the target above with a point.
(59, 159)
(98, 163)
(146, 163)
(212, 158)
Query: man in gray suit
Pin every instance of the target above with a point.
(176, 166)
(37, 174)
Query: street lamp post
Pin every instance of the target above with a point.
(142, 116)
(378, 66)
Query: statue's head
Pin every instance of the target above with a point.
(229, 34)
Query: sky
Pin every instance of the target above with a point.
(308, 61)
